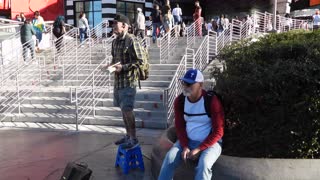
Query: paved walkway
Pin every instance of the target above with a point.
(32, 151)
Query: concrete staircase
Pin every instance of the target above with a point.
(51, 102)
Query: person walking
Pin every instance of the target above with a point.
(177, 16)
(316, 20)
(155, 17)
(83, 26)
(199, 129)
(22, 17)
(58, 31)
(127, 55)
(39, 27)
(197, 19)
(140, 24)
(26, 33)
(168, 21)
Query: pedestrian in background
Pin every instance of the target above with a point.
(26, 33)
(155, 17)
(197, 18)
(83, 26)
(58, 31)
(39, 27)
(140, 24)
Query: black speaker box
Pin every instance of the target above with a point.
(75, 171)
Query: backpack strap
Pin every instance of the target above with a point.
(181, 99)
(207, 103)
(127, 44)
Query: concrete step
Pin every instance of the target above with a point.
(99, 110)
(104, 102)
(162, 72)
(157, 67)
(58, 83)
(90, 120)
(144, 94)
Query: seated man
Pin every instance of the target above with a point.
(199, 129)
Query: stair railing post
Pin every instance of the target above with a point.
(77, 108)
(93, 96)
(18, 92)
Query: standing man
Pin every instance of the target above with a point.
(140, 24)
(177, 13)
(199, 129)
(197, 18)
(316, 20)
(177, 16)
(26, 33)
(83, 26)
(155, 17)
(126, 57)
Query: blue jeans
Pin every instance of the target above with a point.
(39, 37)
(155, 26)
(83, 32)
(203, 171)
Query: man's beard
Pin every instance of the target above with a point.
(186, 92)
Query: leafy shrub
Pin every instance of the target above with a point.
(271, 92)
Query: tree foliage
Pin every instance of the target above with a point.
(271, 92)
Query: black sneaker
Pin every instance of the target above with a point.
(131, 143)
(122, 140)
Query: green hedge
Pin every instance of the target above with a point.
(271, 94)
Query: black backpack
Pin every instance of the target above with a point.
(207, 102)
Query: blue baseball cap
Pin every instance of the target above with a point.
(192, 76)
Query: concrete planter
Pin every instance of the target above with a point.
(235, 168)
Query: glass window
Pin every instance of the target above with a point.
(129, 9)
(97, 6)
(88, 6)
(92, 9)
(97, 18)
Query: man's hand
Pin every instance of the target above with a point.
(118, 67)
(104, 67)
(184, 154)
(194, 154)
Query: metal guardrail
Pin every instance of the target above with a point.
(191, 32)
(77, 58)
(28, 77)
(211, 46)
(174, 89)
(168, 44)
(94, 87)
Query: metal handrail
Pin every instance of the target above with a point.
(168, 44)
(26, 79)
(85, 96)
(191, 32)
(75, 57)
(174, 89)
(209, 48)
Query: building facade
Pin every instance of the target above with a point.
(102, 10)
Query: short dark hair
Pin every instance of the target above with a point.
(37, 13)
(27, 21)
(81, 14)
(177, 5)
